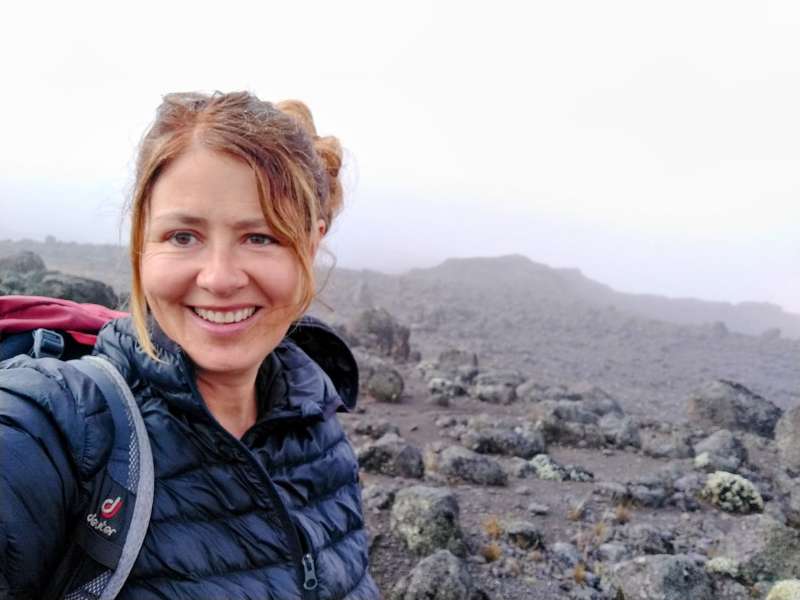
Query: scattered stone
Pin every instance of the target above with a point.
(649, 539)
(454, 359)
(378, 497)
(385, 384)
(613, 552)
(722, 565)
(427, 520)
(619, 431)
(378, 331)
(787, 439)
(547, 468)
(460, 463)
(564, 554)
(496, 387)
(538, 509)
(490, 436)
(440, 576)
(392, 455)
(785, 590)
(22, 262)
(721, 451)
(762, 548)
(662, 577)
(732, 493)
(441, 386)
(524, 535)
(732, 406)
(376, 428)
(674, 445)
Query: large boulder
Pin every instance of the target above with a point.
(378, 331)
(788, 440)
(762, 548)
(427, 519)
(725, 404)
(21, 262)
(440, 576)
(661, 577)
(785, 590)
(392, 455)
(721, 451)
(492, 436)
(385, 384)
(457, 462)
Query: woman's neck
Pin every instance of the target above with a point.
(231, 399)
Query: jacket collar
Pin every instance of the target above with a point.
(318, 371)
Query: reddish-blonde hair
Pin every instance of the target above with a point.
(297, 173)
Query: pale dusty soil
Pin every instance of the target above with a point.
(536, 579)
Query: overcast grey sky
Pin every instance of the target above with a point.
(653, 145)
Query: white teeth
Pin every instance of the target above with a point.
(225, 317)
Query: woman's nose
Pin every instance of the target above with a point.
(221, 274)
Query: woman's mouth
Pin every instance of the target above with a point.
(225, 317)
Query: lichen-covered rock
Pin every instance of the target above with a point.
(496, 387)
(661, 577)
(378, 331)
(378, 497)
(427, 520)
(440, 576)
(732, 493)
(385, 384)
(620, 431)
(721, 451)
(785, 590)
(649, 539)
(392, 455)
(546, 468)
(722, 565)
(568, 423)
(730, 405)
(491, 436)
(762, 548)
(460, 463)
(22, 262)
(375, 428)
(788, 440)
(524, 534)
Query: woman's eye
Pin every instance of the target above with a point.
(260, 239)
(183, 238)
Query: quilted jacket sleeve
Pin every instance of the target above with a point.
(43, 455)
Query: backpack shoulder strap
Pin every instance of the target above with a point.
(122, 496)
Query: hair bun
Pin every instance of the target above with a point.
(328, 149)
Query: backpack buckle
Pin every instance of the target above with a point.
(47, 344)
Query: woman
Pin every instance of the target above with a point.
(256, 492)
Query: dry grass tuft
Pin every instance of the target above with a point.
(576, 510)
(600, 532)
(492, 527)
(536, 556)
(491, 552)
(579, 574)
(622, 513)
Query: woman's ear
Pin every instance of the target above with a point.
(317, 236)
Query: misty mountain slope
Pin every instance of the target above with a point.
(517, 314)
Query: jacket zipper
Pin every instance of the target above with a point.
(304, 560)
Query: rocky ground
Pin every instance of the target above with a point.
(480, 483)
(532, 446)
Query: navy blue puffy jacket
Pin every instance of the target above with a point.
(231, 518)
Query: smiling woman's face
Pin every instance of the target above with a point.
(215, 279)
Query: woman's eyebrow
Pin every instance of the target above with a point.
(189, 219)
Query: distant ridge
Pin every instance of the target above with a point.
(494, 283)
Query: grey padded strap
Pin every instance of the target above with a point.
(144, 489)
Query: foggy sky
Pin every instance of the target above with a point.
(653, 145)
